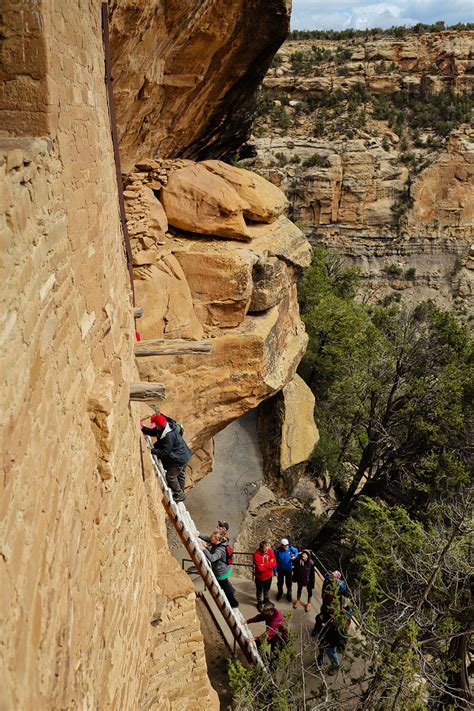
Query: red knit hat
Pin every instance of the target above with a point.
(159, 420)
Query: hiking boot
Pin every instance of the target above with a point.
(295, 604)
(288, 596)
(236, 604)
(178, 498)
(279, 596)
(307, 607)
(332, 670)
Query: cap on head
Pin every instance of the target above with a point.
(285, 542)
(159, 420)
(336, 574)
(223, 524)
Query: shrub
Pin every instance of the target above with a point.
(280, 117)
(393, 270)
(281, 158)
(389, 299)
(315, 160)
(410, 273)
(298, 62)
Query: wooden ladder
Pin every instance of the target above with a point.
(186, 529)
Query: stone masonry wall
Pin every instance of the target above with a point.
(95, 613)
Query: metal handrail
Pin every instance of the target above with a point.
(242, 565)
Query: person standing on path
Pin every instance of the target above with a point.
(303, 575)
(285, 556)
(263, 562)
(172, 450)
(216, 553)
(329, 639)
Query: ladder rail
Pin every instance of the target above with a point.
(186, 529)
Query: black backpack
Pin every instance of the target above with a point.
(176, 425)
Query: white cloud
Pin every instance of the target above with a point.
(312, 14)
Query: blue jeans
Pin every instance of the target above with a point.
(332, 654)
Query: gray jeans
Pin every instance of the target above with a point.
(175, 477)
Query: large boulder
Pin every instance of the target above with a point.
(288, 434)
(266, 201)
(220, 281)
(198, 201)
(247, 364)
(229, 279)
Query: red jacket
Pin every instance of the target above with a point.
(263, 564)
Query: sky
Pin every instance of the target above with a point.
(359, 14)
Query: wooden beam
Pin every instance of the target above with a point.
(177, 346)
(145, 392)
(137, 312)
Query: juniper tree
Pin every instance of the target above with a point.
(394, 392)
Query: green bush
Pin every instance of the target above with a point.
(393, 270)
(281, 158)
(315, 160)
(393, 298)
(410, 273)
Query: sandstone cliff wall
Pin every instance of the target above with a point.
(185, 72)
(235, 286)
(391, 191)
(95, 612)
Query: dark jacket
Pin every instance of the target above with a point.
(217, 557)
(303, 572)
(170, 446)
(332, 595)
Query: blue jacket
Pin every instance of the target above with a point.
(283, 558)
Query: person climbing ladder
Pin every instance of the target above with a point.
(219, 556)
(173, 451)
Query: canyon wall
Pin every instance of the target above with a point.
(186, 72)
(389, 186)
(95, 612)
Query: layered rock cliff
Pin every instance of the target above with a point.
(226, 272)
(185, 73)
(369, 141)
(96, 613)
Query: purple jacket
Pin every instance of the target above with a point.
(276, 625)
